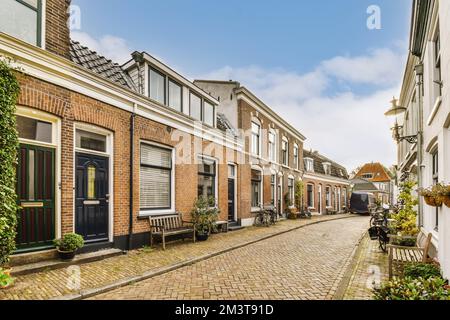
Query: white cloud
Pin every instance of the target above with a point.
(349, 128)
(379, 67)
(114, 48)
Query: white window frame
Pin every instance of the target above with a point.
(216, 178)
(296, 156)
(285, 147)
(261, 187)
(309, 164)
(159, 212)
(56, 144)
(253, 147)
(272, 152)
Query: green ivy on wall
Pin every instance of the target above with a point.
(9, 92)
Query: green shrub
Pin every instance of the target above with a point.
(204, 215)
(5, 279)
(421, 270)
(70, 242)
(9, 92)
(413, 289)
(405, 221)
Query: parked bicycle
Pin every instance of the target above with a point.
(379, 229)
(266, 217)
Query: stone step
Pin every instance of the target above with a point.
(58, 263)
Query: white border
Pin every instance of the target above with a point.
(108, 154)
(56, 144)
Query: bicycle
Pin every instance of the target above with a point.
(379, 229)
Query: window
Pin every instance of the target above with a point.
(291, 191)
(327, 168)
(195, 103)
(208, 114)
(175, 93)
(256, 189)
(231, 171)
(256, 136)
(437, 63)
(295, 157)
(285, 152)
(155, 177)
(273, 179)
(90, 141)
(310, 195)
(309, 164)
(328, 197)
(206, 178)
(272, 147)
(157, 86)
(22, 19)
(435, 160)
(367, 176)
(32, 129)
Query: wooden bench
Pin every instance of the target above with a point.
(163, 226)
(399, 256)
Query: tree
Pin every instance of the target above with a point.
(9, 92)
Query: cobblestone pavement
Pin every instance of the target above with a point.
(370, 270)
(307, 263)
(56, 283)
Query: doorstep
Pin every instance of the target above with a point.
(56, 263)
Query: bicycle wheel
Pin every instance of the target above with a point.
(383, 243)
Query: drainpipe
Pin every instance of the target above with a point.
(419, 84)
(139, 59)
(130, 232)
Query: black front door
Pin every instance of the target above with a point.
(231, 200)
(92, 198)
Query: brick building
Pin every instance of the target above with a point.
(104, 146)
(380, 177)
(272, 151)
(326, 184)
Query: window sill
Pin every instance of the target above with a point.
(255, 209)
(151, 213)
(435, 110)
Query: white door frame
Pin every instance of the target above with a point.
(108, 154)
(56, 144)
(235, 188)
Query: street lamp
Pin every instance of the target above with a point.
(396, 110)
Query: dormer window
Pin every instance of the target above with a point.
(157, 86)
(367, 176)
(208, 114)
(196, 106)
(327, 168)
(309, 164)
(22, 19)
(175, 93)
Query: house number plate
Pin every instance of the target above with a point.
(32, 204)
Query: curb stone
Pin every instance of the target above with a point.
(88, 293)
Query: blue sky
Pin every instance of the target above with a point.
(335, 68)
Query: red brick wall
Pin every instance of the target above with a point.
(72, 107)
(57, 34)
(332, 184)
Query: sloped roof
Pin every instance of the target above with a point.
(224, 124)
(105, 68)
(363, 185)
(378, 171)
(337, 170)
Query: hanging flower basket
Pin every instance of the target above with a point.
(446, 200)
(433, 201)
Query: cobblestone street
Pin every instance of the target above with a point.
(307, 263)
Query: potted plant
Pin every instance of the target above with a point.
(204, 216)
(68, 245)
(5, 278)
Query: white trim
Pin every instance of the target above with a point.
(159, 212)
(261, 195)
(56, 144)
(43, 24)
(59, 71)
(235, 178)
(328, 179)
(434, 111)
(109, 154)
